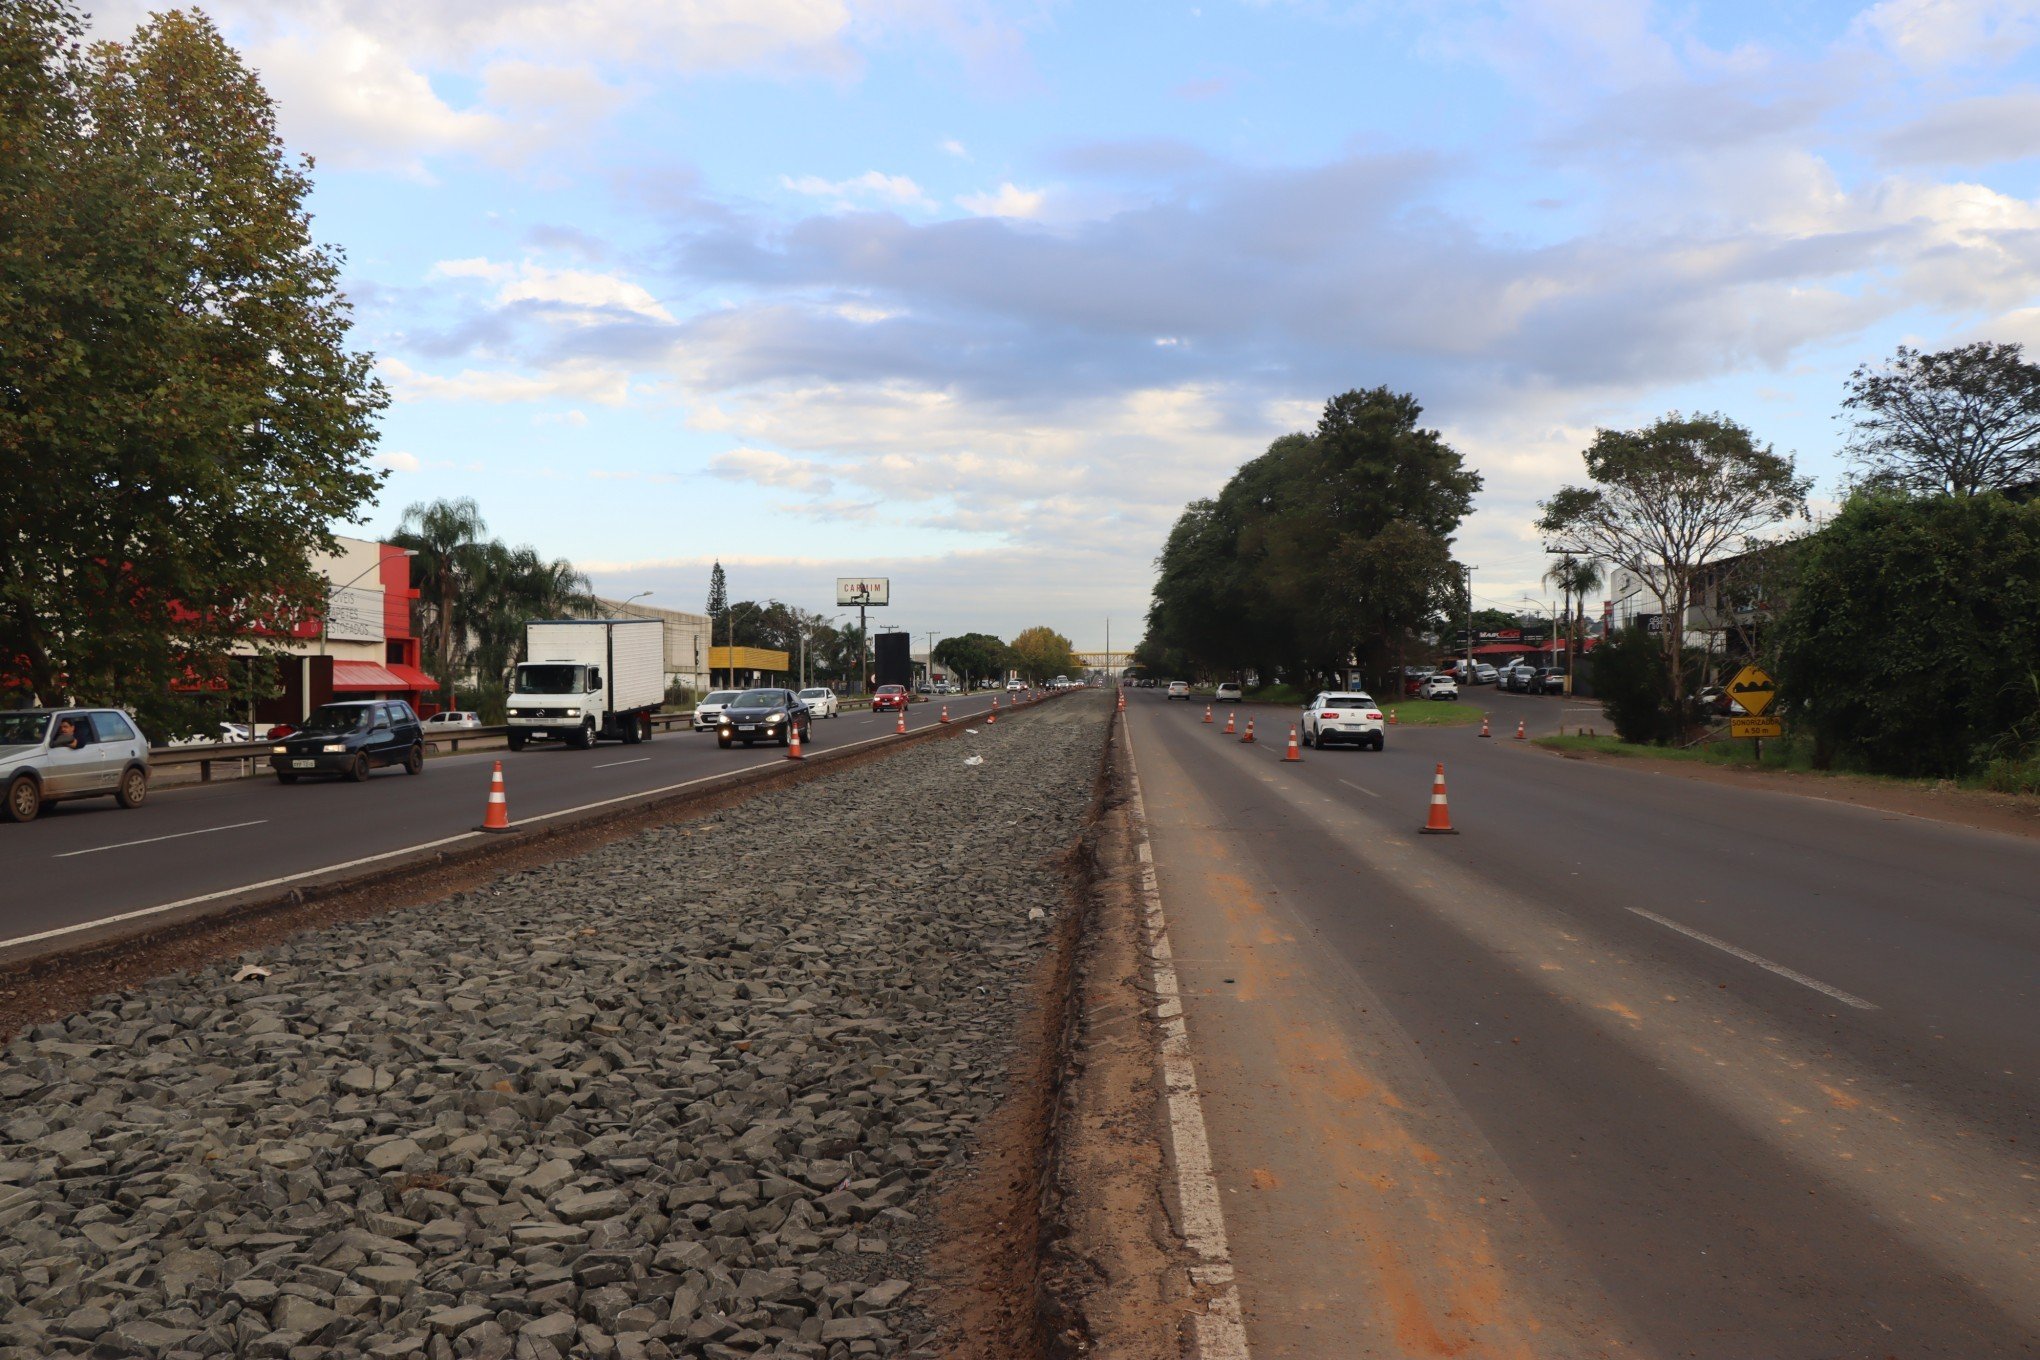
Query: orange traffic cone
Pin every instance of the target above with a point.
(793, 744)
(945, 713)
(1228, 723)
(993, 716)
(1207, 713)
(1122, 701)
(1249, 737)
(497, 815)
(1484, 727)
(1391, 718)
(1519, 729)
(1293, 753)
(1440, 821)
(900, 730)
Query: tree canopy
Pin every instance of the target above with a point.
(180, 415)
(1040, 653)
(1329, 544)
(1962, 420)
(974, 656)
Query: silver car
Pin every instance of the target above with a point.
(710, 706)
(50, 755)
(823, 703)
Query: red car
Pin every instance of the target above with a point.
(889, 696)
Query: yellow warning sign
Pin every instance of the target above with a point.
(1755, 727)
(1754, 690)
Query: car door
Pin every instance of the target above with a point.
(69, 771)
(112, 743)
(383, 737)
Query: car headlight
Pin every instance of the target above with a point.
(279, 750)
(334, 749)
(775, 717)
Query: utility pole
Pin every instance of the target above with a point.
(1108, 653)
(1466, 571)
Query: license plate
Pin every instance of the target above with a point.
(304, 764)
(747, 727)
(539, 732)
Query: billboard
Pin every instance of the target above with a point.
(893, 657)
(354, 615)
(870, 590)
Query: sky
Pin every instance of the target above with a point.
(977, 296)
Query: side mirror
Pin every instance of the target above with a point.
(594, 677)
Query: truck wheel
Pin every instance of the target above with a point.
(633, 730)
(517, 740)
(585, 740)
(646, 720)
(24, 800)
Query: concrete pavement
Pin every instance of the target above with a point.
(1632, 1066)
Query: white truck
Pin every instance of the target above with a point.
(586, 679)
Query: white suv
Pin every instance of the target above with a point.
(1179, 689)
(1440, 685)
(823, 703)
(1349, 717)
(1228, 693)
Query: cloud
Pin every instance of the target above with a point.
(570, 381)
(1009, 201)
(768, 468)
(869, 186)
(397, 460)
(1981, 131)
(1934, 35)
(579, 295)
(954, 148)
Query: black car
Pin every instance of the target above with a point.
(350, 739)
(762, 715)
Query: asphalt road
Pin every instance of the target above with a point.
(81, 863)
(1633, 1065)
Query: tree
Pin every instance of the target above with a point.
(974, 656)
(718, 614)
(1040, 653)
(1909, 647)
(180, 416)
(1667, 500)
(447, 536)
(1575, 577)
(1962, 420)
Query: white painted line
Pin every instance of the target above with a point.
(641, 760)
(1369, 792)
(142, 912)
(174, 836)
(1846, 998)
(1220, 1330)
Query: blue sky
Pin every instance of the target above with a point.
(978, 295)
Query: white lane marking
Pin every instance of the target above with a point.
(641, 760)
(139, 913)
(173, 836)
(1846, 998)
(1369, 792)
(1220, 1330)
(142, 912)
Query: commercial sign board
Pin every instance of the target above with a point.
(865, 590)
(354, 616)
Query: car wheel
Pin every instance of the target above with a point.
(414, 760)
(358, 769)
(134, 788)
(24, 800)
(285, 777)
(724, 742)
(1381, 743)
(786, 737)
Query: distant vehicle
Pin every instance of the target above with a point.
(104, 756)
(822, 703)
(1350, 718)
(711, 706)
(351, 738)
(1012, 685)
(1179, 689)
(1440, 685)
(1547, 680)
(766, 715)
(452, 720)
(1517, 677)
(1060, 682)
(588, 679)
(1228, 693)
(1484, 674)
(944, 687)
(1414, 678)
(924, 688)
(890, 697)
(1714, 699)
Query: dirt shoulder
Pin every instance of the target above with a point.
(1975, 808)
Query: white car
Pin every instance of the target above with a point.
(453, 720)
(1228, 693)
(823, 703)
(1179, 689)
(1344, 717)
(1439, 685)
(1012, 685)
(710, 707)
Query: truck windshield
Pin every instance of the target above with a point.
(550, 678)
(23, 729)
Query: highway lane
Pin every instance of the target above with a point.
(1578, 1122)
(80, 863)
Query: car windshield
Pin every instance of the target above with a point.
(760, 698)
(549, 678)
(814, 694)
(338, 718)
(721, 696)
(892, 689)
(23, 729)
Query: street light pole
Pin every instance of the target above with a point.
(632, 600)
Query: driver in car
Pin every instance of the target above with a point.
(67, 736)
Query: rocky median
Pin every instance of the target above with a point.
(690, 1094)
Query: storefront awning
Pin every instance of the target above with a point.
(371, 677)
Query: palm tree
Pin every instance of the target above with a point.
(1576, 576)
(447, 537)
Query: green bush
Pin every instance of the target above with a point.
(679, 697)
(1911, 641)
(1629, 680)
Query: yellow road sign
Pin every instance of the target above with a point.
(1753, 689)
(1755, 727)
